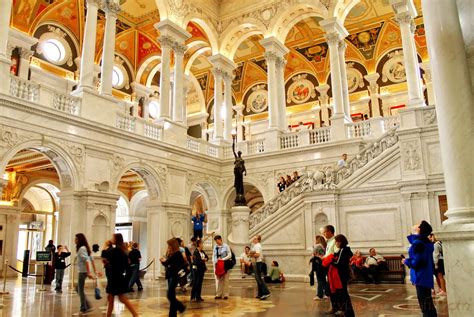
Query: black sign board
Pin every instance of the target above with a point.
(43, 256)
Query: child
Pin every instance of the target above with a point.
(316, 261)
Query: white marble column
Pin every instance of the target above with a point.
(335, 33)
(239, 109)
(228, 106)
(273, 109)
(218, 132)
(111, 9)
(345, 90)
(275, 52)
(405, 12)
(452, 86)
(178, 87)
(222, 68)
(141, 91)
(373, 89)
(5, 14)
(165, 85)
(428, 83)
(86, 76)
(281, 93)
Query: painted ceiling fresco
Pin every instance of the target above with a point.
(373, 33)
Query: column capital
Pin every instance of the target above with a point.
(334, 29)
(166, 41)
(372, 78)
(141, 90)
(402, 7)
(228, 78)
(222, 63)
(323, 90)
(179, 48)
(94, 3)
(168, 28)
(26, 53)
(111, 8)
(272, 44)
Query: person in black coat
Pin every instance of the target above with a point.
(342, 300)
(59, 261)
(116, 263)
(199, 268)
(175, 266)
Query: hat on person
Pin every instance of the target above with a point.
(425, 229)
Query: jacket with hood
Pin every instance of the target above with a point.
(420, 261)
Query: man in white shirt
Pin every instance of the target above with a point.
(257, 255)
(343, 161)
(328, 233)
(373, 264)
(245, 262)
(221, 252)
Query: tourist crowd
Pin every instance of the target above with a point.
(286, 182)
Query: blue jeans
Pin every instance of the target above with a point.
(59, 279)
(197, 283)
(175, 304)
(135, 268)
(323, 286)
(262, 287)
(425, 301)
(85, 305)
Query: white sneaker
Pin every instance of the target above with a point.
(264, 297)
(317, 298)
(441, 293)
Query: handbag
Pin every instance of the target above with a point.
(230, 263)
(97, 290)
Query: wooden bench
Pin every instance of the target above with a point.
(396, 272)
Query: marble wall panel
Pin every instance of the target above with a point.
(434, 158)
(289, 233)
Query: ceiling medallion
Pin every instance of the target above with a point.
(300, 90)
(258, 99)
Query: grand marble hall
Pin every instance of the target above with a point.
(119, 116)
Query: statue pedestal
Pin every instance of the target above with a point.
(240, 228)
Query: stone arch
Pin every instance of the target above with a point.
(152, 74)
(341, 8)
(144, 66)
(35, 183)
(286, 18)
(236, 33)
(202, 101)
(208, 28)
(209, 192)
(229, 190)
(61, 159)
(154, 178)
(192, 58)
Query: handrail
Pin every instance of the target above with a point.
(325, 179)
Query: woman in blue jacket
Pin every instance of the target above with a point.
(420, 262)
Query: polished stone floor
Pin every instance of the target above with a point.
(290, 299)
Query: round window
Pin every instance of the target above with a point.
(117, 77)
(54, 51)
(154, 109)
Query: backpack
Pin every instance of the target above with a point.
(229, 264)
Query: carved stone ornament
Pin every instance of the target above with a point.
(355, 79)
(429, 116)
(162, 171)
(394, 68)
(238, 220)
(411, 155)
(326, 179)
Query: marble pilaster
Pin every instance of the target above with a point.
(111, 9)
(345, 91)
(405, 12)
(86, 77)
(24, 42)
(240, 228)
(10, 221)
(178, 87)
(427, 77)
(142, 91)
(275, 52)
(228, 106)
(165, 84)
(452, 86)
(5, 15)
